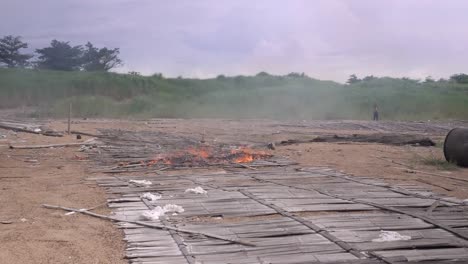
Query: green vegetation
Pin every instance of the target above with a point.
(439, 163)
(293, 96)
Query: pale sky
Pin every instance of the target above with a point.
(326, 39)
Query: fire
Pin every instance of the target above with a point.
(202, 152)
(151, 162)
(157, 160)
(167, 162)
(245, 158)
(202, 156)
(246, 155)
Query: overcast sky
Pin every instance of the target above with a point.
(328, 39)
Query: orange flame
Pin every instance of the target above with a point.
(203, 153)
(246, 155)
(245, 158)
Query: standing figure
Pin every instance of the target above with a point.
(376, 113)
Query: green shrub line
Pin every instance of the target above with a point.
(105, 94)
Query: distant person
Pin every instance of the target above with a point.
(376, 113)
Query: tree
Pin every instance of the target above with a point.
(295, 75)
(60, 56)
(263, 74)
(10, 55)
(369, 78)
(353, 79)
(134, 73)
(158, 75)
(429, 79)
(459, 78)
(103, 59)
(408, 79)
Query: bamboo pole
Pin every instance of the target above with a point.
(141, 223)
(69, 118)
(88, 142)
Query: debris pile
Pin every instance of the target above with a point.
(196, 190)
(142, 183)
(159, 211)
(388, 236)
(150, 197)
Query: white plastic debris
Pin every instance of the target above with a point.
(154, 214)
(150, 197)
(196, 190)
(388, 236)
(159, 211)
(23, 220)
(173, 208)
(144, 183)
(37, 130)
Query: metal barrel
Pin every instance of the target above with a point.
(456, 146)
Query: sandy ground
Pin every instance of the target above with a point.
(29, 178)
(31, 234)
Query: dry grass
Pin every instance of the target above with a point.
(439, 163)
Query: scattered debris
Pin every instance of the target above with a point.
(196, 190)
(159, 211)
(388, 138)
(173, 208)
(77, 157)
(23, 220)
(388, 236)
(150, 197)
(143, 183)
(164, 227)
(85, 148)
(271, 146)
(154, 214)
(28, 128)
(434, 205)
(85, 134)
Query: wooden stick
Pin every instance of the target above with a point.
(433, 184)
(90, 209)
(141, 223)
(85, 134)
(15, 177)
(69, 118)
(86, 143)
(244, 166)
(19, 129)
(434, 174)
